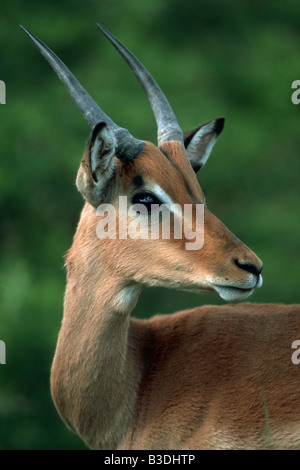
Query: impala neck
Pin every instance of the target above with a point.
(94, 372)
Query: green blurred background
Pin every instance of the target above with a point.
(212, 58)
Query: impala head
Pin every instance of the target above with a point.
(116, 164)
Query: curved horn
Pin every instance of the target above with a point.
(128, 146)
(168, 127)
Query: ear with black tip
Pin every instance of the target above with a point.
(98, 164)
(200, 141)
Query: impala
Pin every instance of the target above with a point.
(214, 377)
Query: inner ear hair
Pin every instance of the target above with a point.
(102, 151)
(187, 136)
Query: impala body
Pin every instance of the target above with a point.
(215, 377)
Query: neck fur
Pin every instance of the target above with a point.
(94, 372)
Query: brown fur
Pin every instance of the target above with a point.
(216, 377)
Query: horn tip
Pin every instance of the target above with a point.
(29, 33)
(24, 29)
(103, 30)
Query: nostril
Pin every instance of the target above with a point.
(249, 267)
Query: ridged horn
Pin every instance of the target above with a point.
(167, 125)
(128, 146)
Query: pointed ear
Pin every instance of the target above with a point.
(200, 141)
(98, 164)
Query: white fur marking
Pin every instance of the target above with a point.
(165, 198)
(126, 298)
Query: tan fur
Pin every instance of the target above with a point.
(216, 377)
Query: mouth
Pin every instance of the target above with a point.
(231, 293)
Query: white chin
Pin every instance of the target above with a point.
(233, 293)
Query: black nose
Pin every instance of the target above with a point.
(249, 267)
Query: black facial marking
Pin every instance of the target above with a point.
(190, 193)
(188, 189)
(138, 181)
(166, 154)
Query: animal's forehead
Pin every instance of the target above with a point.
(167, 166)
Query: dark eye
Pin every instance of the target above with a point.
(147, 199)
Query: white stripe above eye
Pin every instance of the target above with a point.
(164, 198)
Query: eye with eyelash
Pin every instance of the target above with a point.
(145, 198)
